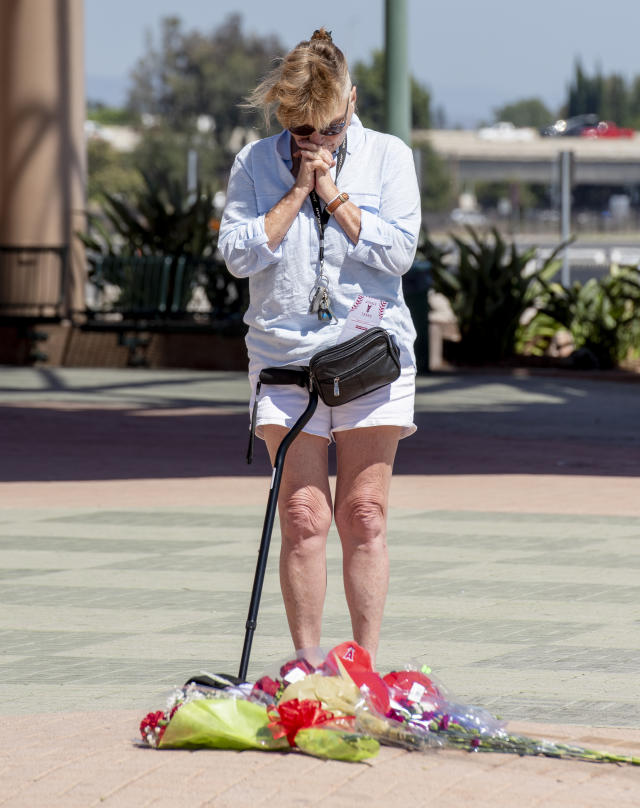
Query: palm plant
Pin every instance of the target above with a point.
(603, 315)
(162, 220)
(489, 288)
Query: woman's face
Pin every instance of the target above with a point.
(342, 112)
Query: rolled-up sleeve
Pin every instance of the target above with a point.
(243, 240)
(389, 236)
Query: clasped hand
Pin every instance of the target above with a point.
(314, 170)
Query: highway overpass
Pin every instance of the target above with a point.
(614, 161)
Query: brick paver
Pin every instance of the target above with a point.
(77, 760)
(128, 534)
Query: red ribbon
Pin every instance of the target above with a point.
(291, 716)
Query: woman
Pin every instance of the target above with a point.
(313, 285)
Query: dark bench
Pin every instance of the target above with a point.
(135, 296)
(138, 295)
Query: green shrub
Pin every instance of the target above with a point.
(160, 219)
(489, 290)
(603, 315)
(155, 219)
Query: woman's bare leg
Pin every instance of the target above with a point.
(304, 506)
(365, 462)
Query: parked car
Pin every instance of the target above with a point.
(607, 129)
(505, 130)
(570, 127)
(471, 217)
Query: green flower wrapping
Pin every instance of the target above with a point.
(336, 744)
(221, 723)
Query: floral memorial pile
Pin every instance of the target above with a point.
(340, 709)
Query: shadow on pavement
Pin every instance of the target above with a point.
(169, 427)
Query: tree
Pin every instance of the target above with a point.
(190, 74)
(163, 155)
(436, 181)
(615, 105)
(369, 79)
(634, 103)
(609, 97)
(437, 187)
(110, 116)
(109, 171)
(581, 93)
(420, 106)
(528, 112)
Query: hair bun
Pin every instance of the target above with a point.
(322, 35)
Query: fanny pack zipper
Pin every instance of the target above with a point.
(337, 379)
(337, 352)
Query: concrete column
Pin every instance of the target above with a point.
(43, 165)
(397, 85)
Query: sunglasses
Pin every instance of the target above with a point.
(333, 129)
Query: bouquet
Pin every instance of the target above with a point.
(340, 709)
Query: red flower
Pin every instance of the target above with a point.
(291, 716)
(151, 720)
(267, 685)
(303, 666)
(412, 686)
(153, 726)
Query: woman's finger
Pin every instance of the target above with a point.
(315, 163)
(313, 149)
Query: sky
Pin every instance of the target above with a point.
(473, 56)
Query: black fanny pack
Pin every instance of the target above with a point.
(356, 367)
(340, 374)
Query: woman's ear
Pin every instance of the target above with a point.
(354, 97)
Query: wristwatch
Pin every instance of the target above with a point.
(335, 203)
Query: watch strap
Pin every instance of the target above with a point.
(335, 203)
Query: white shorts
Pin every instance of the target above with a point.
(391, 405)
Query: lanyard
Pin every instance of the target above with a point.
(321, 215)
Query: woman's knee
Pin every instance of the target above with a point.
(362, 518)
(305, 515)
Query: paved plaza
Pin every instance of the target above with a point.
(129, 526)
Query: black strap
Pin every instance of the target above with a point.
(252, 425)
(320, 213)
(291, 374)
(288, 374)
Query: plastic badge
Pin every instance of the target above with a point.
(365, 313)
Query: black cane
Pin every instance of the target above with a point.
(263, 552)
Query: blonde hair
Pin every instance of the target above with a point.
(306, 86)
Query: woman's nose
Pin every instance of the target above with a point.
(316, 138)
